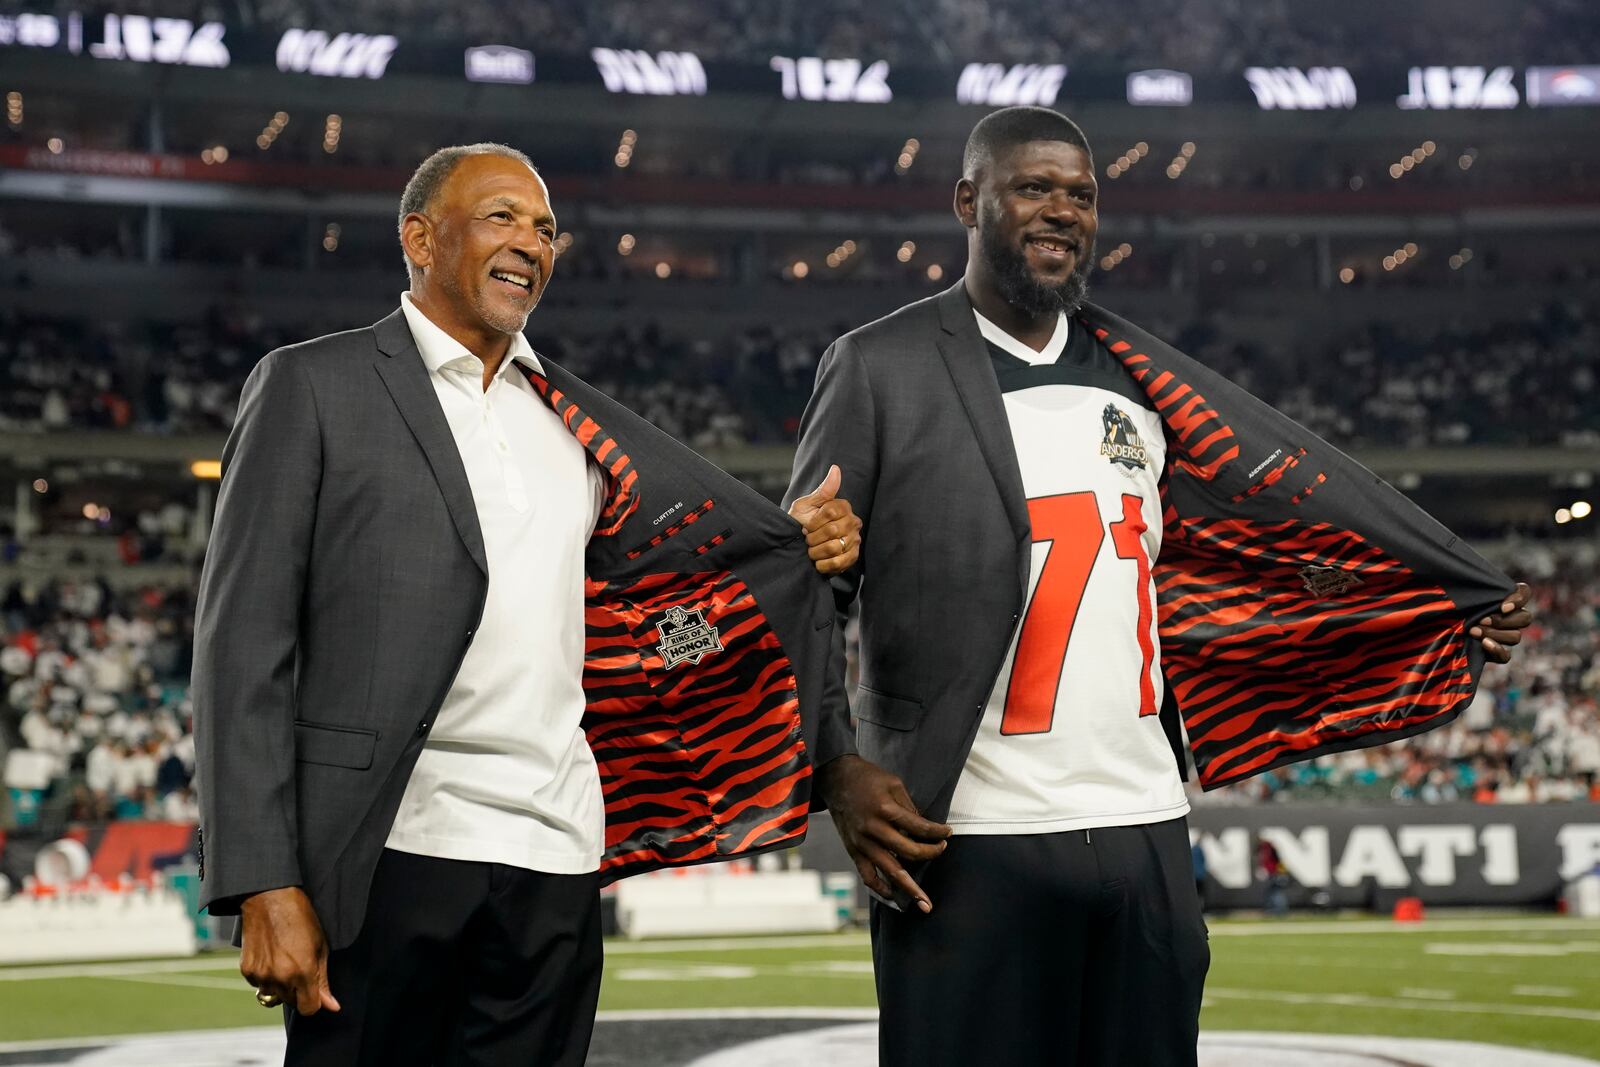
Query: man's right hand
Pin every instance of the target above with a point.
(285, 955)
(880, 825)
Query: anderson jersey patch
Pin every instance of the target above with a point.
(1121, 444)
(1070, 737)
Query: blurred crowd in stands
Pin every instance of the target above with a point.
(1184, 34)
(95, 723)
(1529, 380)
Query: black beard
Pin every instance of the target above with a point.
(1021, 288)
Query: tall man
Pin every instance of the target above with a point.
(1072, 533)
(472, 638)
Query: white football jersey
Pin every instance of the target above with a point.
(1071, 738)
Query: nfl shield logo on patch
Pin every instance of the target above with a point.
(686, 637)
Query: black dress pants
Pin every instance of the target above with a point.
(1071, 949)
(461, 965)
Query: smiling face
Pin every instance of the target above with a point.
(1034, 212)
(485, 247)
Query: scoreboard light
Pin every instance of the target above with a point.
(1459, 89)
(499, 63)
(1563, 86)
(340, 55)
(161, 40)
(1294, 89)
(1160, 88)
(812, 78)
(637, 72)
(996, 85)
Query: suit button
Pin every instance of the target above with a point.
(423, 728)
(470, 633)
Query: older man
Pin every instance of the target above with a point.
(471, 640)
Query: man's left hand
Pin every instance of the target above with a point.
(1499, 632)
(832, 529)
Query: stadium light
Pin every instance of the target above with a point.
(625, 244)
(800, 270)
(206, 469)
(935, 272)
(41, 486)
(624, 154)
(14, 109)
(1125, 162)
(1347, 275)
(1581, 509)
(908, 155)
(56, 146)
(332, 128)
(1181, 160)
(1563, 516)
(663, 269)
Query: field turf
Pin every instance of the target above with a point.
(1530, 982)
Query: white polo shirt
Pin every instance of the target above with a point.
(506, 775)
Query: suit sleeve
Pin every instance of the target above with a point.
(246, 632)
(840, 426)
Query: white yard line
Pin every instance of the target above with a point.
(1542, 991)
(117, 970)
(1553, 924)
(235, 984)
(1359, 1000)
(734, 944)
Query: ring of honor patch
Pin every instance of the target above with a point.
(1121, 444)
(686, 637)
(1327, 581)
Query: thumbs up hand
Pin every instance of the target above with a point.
(833, 531)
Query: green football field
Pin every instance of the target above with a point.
(1530, 982)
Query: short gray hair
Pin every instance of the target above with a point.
(434, 171)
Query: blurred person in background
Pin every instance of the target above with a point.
(1030, 469)
(420, 528)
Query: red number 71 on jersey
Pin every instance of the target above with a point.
(1071, 524)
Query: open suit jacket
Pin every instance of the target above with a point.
(345, 578)
(1304, 606)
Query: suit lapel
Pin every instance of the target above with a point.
(967, 360)
(406, 377)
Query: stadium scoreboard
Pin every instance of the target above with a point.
(337, 53)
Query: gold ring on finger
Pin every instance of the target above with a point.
(267, 1000)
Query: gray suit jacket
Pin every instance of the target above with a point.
(1304, 606)
(345, 578)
